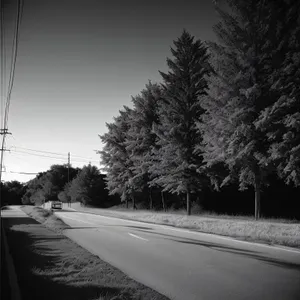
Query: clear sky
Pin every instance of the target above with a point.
(78, 63)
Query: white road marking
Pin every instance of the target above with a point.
(275, 247)
(138, 237)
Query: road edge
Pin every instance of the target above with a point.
(236, 239)
(12, 276)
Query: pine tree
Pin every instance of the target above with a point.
(176, 164)
(281, 120)
(116, 159)
(140, 140)
(239, 92)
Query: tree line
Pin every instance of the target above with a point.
(226, 113)
(60, 182)
(219, 131)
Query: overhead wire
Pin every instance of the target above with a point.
(11, 76)
(51, 157)
(41, 151)
(24, 173)
(40, 155)
(3, 64)
(49, 152)
(13, 60)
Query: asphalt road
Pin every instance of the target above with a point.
(187, 265)
(183, 264)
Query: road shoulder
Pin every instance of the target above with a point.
(50, 266)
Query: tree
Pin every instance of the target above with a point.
(63, 196)
(140, 138)
(12, 192)
(47, 185)
(34, 193)
(239, 93)
(88, 186)
(116, 159)
(55, 180)
(177, 136)
(280, 121)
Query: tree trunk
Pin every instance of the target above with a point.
(188, 203)
(257, 197)
(150, 199)
(126, 203)
(163, 201)
(133, 202)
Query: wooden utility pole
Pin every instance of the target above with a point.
(3, 132)
(68, 167)
(68, 197)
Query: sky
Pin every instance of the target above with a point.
(78, 63)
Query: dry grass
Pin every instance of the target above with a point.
(271, 231)
(51, 266)
(46, 217)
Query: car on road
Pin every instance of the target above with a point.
(56, 204)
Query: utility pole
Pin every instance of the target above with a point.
(68, 197)
(3, 132)
(68, 167)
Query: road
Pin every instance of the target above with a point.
(187, 265)
(183, 264)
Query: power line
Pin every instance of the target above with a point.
(13, 60)
(48, 152)
(48, 156)
(23, 173)
(35, 154)
(41, 151)
(3, 63)
(12, 74)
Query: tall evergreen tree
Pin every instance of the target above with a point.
(281, 120)
(116, 159)
(239, 92)
(184, 86)
(140, 140)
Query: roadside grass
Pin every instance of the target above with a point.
(51, 266)
(270, 231)
(46, 217)
(197, 211)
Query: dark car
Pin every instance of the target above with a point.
(56, 204)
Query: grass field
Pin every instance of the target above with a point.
(51, 266)
(270, 231)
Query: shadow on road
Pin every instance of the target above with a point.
(234, 250)
(247, 253)
(38, 254)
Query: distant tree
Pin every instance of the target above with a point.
(63, 196)
(176, 165)
(34, 190)
(239, 92)
(55, 180)
(47, 185)
(12, 192)
(88, 186)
